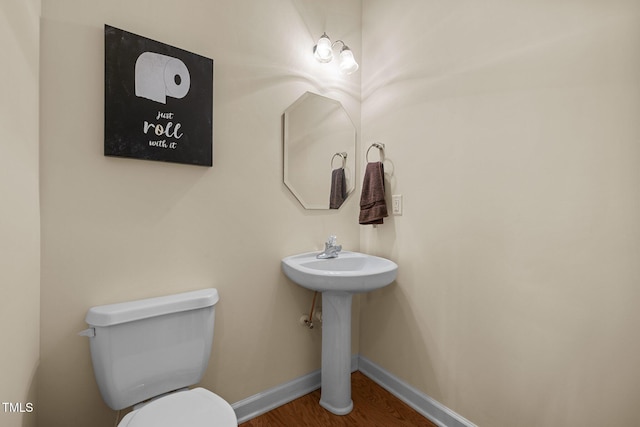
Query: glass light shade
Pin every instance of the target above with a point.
(348, 63)
(322, 51)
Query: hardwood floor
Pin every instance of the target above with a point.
(373, 406)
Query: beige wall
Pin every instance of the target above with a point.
(117, 229)
(19, 215)
(513, 133)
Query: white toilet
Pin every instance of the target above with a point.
(147, 352)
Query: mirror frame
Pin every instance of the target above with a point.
(314, 131)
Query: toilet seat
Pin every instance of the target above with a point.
(191, 408)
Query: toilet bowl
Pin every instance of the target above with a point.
(194, 408)
(146, 353)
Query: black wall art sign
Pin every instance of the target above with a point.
(158, 101)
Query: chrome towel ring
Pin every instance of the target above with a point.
(379, 146)
(344, 159)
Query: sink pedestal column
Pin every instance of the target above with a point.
(336, 352)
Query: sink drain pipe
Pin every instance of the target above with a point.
(309, 322)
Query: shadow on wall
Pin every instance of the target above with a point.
(385, 311)
(30, 419)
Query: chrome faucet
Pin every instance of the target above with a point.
(331, 250)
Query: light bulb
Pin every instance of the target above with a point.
(322, 51)
(348, 63)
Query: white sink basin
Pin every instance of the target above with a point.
(338, 279)
(352, 272)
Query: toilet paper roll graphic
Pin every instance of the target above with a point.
(158, 76)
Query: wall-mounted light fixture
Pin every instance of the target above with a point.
(323, 52)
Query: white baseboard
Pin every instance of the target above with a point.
(423, 404)
(267, 400)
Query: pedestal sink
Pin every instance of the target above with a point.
(338, 279)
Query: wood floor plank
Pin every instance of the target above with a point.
(373, 406)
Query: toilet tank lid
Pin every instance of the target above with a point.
(113, 314)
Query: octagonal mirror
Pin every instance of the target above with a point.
(319, 152)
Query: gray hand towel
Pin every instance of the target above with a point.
(373, 207)
(338, 188)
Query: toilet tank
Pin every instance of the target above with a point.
(141, 349)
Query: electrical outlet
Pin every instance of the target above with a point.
(396, 204)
